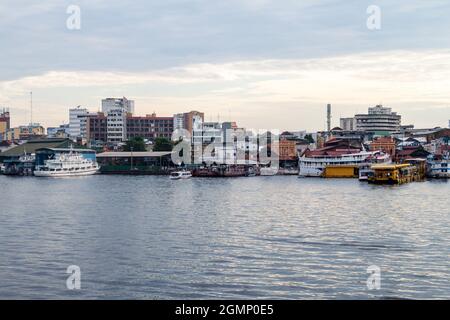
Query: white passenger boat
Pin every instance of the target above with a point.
(314, 166)
(177, 175)
(439, 168)
(66, 165)
(365, 170)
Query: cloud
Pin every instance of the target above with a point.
(251, 56)
(130, 36)
(351, 82)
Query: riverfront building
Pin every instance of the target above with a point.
(385, 144)
(189, 121)
(149, 127)
(115, 127)
(77, 122)
(135, 162)
(378, 119)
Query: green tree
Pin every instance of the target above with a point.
(162, 144)
(309, 138)
(135, 144)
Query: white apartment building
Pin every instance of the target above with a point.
(208, 132)
(226, 143)
(116, 122)
(109, 104)
(178, 121)
(77, 122)
(190, 121)
(378, 118)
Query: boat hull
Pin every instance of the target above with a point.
(180, 178)
(310, 171)
(223, 172)
(52, 174)
(316, 166)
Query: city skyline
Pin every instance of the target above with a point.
(261, 63)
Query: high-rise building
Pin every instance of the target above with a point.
(189, 121)
(116, 121)
(109, 104)
(378, 119)
(149, 127)
(77, 122)
(178, 121)
(97, 128)
(116, 127)
(209, 132)
(348, 124)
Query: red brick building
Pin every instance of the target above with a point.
(149, 127)
(385, 144)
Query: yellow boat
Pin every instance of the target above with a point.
(341, 171)
(394, 174)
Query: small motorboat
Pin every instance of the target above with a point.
(178, 175)
(268, 171)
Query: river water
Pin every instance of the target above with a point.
(147, 237)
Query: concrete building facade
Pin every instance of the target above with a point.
(378, 119)
(109, 104)
(77, 121)
(347, 124)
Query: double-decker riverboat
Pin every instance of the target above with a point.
(314, 166)
(66, 165)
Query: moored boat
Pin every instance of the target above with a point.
(439, 168)
(394, 174)
(178, 175)
(224, 171)
(365, 170)
(66, 165)
(268, 171)
(314, 166)
(23, 166)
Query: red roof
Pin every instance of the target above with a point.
(383, 140)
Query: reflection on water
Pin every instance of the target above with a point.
(250, 238)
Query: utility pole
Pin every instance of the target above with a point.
(31, 108)
(131, 162)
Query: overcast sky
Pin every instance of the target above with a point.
(266, 64)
